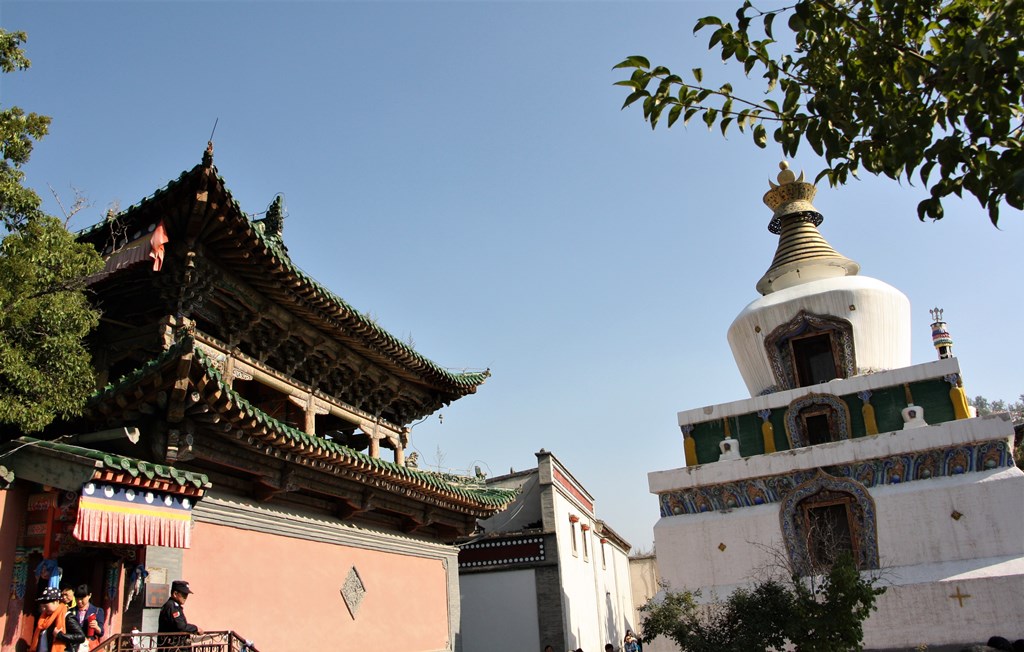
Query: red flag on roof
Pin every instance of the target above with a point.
(156, 246)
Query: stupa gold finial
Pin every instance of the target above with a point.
(790, 196)
(803, 254)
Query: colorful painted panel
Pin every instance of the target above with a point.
(870, 473)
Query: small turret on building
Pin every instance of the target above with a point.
(941, 338)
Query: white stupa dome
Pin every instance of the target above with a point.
(818, 319)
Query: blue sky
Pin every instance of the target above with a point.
(462, 171)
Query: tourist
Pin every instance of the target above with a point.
(608, 647)
(629, 643)
(91, 617)
(67, 596)
(172, 619)
(57, 629)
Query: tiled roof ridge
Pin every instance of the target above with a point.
(123, 463)
(391, 346)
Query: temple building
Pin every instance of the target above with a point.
(546, 570)
(249, 434)
(845, 446)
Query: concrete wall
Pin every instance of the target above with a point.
(499, 612)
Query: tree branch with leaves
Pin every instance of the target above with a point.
(899, 88)
(45, 369)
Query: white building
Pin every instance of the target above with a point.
(845, 445)
(546, 571)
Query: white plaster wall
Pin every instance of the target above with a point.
(614, 583)
(499, 611)
(915, 525)
(880, 319)
(582, 605)
(925, 554)
(689, 556)
(912, 615)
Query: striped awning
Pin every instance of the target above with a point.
(109, 513)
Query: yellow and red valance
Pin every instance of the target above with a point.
(109, 513)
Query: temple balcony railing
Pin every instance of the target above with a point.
(226, 641)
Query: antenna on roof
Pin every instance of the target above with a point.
(214, 130)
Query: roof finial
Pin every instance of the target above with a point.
(803, 254)
(208, 155)
(941, 339)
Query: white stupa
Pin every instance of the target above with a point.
(807, 275)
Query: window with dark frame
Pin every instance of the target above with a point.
(604, 560)
(814, 359)
(572, 527)
(818, 426)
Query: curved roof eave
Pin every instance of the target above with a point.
(386, 346)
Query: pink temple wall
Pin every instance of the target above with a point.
(12, 513)
(284, 593)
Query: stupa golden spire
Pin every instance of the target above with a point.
(803, 254)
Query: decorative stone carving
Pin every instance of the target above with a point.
(353, 591)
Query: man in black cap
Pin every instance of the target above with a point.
(172, 619)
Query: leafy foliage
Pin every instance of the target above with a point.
(892, 87)
(45, 370)
(811, 617)
(18, 130)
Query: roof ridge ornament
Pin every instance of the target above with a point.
(208, 155)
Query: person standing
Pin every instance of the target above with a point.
(57, 629)
(172, 620)
(629, 644)
(91, 617)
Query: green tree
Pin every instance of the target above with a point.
(45, 370)
(812, 616)
(18, 131)
(892, 87)
(986, 407)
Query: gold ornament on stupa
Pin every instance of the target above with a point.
(803, 254)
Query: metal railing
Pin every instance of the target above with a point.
(154, 642)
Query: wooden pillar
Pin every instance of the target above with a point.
(310, 412)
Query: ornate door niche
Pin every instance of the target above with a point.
(810, 349)
(817, 419)
(824, 517)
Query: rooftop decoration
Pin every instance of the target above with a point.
(803, 254)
